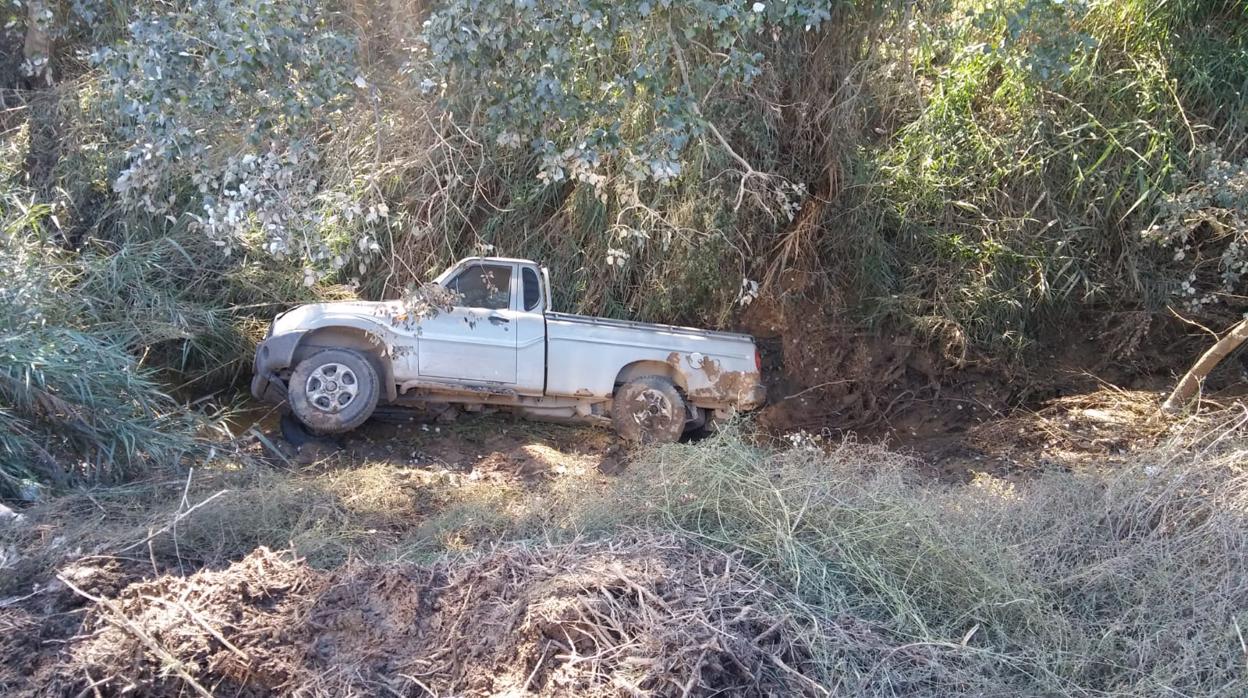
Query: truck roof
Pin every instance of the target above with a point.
(503, 260)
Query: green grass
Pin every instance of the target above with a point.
(101, 343)
(77, 407)
(1011, 196)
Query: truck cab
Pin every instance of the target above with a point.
(496, 333)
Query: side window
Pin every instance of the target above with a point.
(532, 289)
(484, 286)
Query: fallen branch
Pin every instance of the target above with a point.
(1196, 375)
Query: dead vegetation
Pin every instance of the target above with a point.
(826, 567)
(1122, 580)
(1090, 429)
(647, 617)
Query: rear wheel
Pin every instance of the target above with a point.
(334, 390)
(649, 409)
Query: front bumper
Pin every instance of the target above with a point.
(273, 355)
(268, 389)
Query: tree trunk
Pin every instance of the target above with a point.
(44, 147)
(37, 48)
(1191, 381)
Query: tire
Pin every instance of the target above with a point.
(333, 391)
(649, 409)
(702, 425)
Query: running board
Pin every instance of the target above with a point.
(478, 389)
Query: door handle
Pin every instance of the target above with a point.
(498, 320)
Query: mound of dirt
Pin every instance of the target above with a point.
(823, 371)
(651, 617)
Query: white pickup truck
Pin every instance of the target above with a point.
(501, 346)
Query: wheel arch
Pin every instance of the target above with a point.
(362, 340)
(650, 367)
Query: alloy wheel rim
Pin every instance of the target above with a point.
(331, 388)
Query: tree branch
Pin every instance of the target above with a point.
(1196, 375)
(683, 66)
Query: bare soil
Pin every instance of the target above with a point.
(929, 389)
(956, 435)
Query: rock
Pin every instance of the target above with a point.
(29, 491)
(7, 514)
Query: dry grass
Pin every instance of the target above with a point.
(1100, 582)
(1121, 582)
(325, 513)
(1087, 429)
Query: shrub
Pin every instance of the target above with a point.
(100, 343)
(75, 406)
(1026, 158)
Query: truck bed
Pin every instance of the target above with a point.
(647, 326)
(586, 355)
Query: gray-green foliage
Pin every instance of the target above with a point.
(990, 164)
(249, 68)
(1005, 195)
(1205, 225)
(184, 140)
(221, 103)
(1012, 153)
(597, 88)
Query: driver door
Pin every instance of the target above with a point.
(476, 341)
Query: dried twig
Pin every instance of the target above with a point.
(119, 619)
(167, 528)
(203, 623)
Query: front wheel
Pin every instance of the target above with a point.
(649, 409)
(334, 390)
